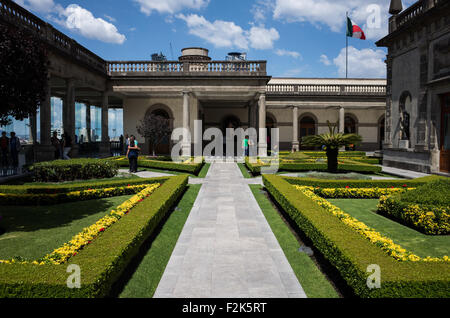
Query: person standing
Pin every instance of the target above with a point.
(67, 146)
(132, 154)
(4, 147)
(56, 143)
(14, 146)
(245, 146)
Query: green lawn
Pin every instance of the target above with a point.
(201, 174)
(308, 274)
(410, 239)
(32, 232)
(146, 277)
(244, 170)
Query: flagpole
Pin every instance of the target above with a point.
(346, 46)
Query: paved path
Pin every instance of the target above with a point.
(403, 173)
(226, 248)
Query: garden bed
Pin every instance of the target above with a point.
(101, 261)
(351, 252)
(188, 166)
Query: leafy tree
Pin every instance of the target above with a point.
(23, 73)
(155, 128)
(332, 142)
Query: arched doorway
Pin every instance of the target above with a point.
(165, 146)
(233, 122)
(307, 128)
(349, 125)
(350, 128)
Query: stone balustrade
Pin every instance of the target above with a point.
(320, 89)
(222, 68)
(411, 13)
(16, 15)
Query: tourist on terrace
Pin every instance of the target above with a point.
(66, 145)
(133, 153)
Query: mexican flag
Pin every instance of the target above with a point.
(354, 31)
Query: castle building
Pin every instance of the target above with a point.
(233, 92)
(417, 133)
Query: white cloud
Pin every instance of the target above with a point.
(260, 9)
(78, 19)
(282, 52)
(83, 21)
(219, 33)
(170, 6)
(41, 6)
(109, 18)
(325, 60)
(332, 13)
(366, 63)
(228, 34)
(262, 38)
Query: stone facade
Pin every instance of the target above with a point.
(418, 65)
(228, 93)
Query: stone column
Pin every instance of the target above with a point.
(105, 146)
(33, 129)
(341, 119)
(69, 115)
(262, 145)
(186, 144)
(295, 142)
(45, 150)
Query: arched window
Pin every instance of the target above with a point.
(307, 127)
(349, 125)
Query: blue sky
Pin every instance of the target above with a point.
(298, 38)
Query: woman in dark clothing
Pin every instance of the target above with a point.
(132, 154)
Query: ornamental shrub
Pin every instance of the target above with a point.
(433, 193)
(73, 169)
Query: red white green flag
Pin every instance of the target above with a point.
(354, 31)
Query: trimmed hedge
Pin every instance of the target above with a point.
(351, 253)
(64, 188)
(73, 169)
(413, 183)
(345, 165)
(193, 168)
(102, 261)
(55, 198)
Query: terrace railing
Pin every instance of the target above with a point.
(412, 13)
(222, 68)
(16, 15)
(319, 89)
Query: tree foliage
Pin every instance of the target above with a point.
(155, 128)
(332, 142)
(23, 73)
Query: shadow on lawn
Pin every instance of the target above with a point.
(33, 218)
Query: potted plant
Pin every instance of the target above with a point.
(331, 142)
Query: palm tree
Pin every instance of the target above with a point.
(332, 142)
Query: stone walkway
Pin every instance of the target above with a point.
(226, 248)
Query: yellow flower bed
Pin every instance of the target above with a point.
(386, 244)
(432, 220)
(85, 237)
(366, 193)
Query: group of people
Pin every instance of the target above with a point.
(9, 150)
(62, 146)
